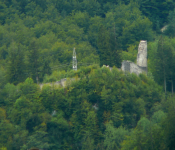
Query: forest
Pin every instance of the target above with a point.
(101, 109)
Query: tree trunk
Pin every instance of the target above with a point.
(172, 86)
(165, 83)
(164, 70)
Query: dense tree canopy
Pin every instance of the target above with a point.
(80, 115)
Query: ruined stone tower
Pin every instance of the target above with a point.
(141, 66)
(142, 54)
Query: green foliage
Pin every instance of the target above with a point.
(129, 24)
(168, 124)
(33, 60)
(47, 32)
(114, 136)
(2, 84)
(153, 133)
(130, 54)
(162, 61)
(170, 31)
(88, 113)
(10, 93)
(158, 116)
(16, 66)
(39, 139)
(108, 47)
(160, 9)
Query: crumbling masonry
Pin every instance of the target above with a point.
(141, 66)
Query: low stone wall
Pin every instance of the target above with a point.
(62, 83)
(141, 66)
(131, 67)
(127, 66)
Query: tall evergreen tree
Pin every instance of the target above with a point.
(115, 52)
(160, 64)
(156, 11)
(164, 64)
(107, 45)
(103, 45)
(45, 69)
(33, 57)
(16, 66)
(170, 28)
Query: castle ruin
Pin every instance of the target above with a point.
(141, 66)
(127, 66)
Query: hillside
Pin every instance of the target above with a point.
(82, 115)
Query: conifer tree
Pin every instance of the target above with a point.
(103, 45)
(107, 45)
(45, 69)
(164, 64)
(33, 57)
(160, 64)
(16, 66)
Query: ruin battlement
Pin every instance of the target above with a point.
(141, 66)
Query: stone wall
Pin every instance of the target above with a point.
(142, 54)
(128, 66)
(131, 67)
(141, 66)
(62, 83)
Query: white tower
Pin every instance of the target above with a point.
(74, 59)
